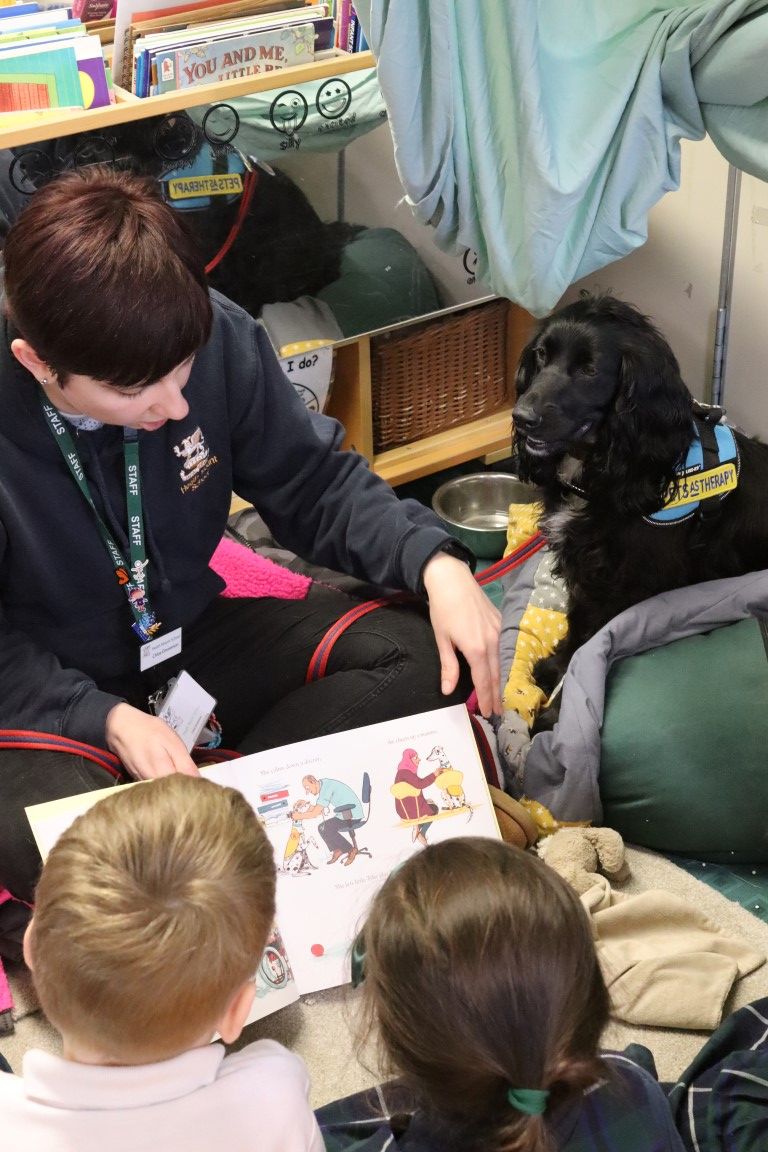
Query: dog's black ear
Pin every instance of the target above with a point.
(526, 371)
(650, 425)
(651, 389)
(526, 367)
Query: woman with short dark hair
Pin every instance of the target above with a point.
(134, 402)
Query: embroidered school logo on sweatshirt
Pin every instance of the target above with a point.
(197, 458)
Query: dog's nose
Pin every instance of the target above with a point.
(524, 418)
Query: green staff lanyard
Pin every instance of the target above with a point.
(133, 580)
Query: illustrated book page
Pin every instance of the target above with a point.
(341, 812)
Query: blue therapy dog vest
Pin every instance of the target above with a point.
(697, 482)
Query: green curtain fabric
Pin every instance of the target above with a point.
(540, 132)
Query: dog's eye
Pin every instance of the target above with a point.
(540, 354)
(588, 370)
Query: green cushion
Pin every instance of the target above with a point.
(383, 281)
(684, 763)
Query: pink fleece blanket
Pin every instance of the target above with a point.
(248, 574)
(6, 1000)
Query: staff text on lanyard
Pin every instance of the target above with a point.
(133, 579)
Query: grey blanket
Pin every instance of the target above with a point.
(561, 768)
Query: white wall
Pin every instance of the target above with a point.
(745, 391)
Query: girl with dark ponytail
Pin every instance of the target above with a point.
(483, 988)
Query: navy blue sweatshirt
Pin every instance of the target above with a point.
(66, 624)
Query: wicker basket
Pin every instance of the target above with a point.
(439, 374)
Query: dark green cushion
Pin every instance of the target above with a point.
(383, 281)
(684, 763)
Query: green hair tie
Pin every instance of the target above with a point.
(531, 1101)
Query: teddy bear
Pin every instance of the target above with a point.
(579, 855)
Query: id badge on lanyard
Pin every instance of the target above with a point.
(133, 579)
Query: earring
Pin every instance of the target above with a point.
(44, 382)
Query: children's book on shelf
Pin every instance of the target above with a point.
(93, 74)
(20, 36)
(186, 57)
(24, 36)
(94, 9)
(39, 77)
(341, 811)
(356, 41)
(136, 17)
(343, 12)
(17, 10)
(54, 64)
(41, 18)
(244, 55)
(73, 59)
(269, 42)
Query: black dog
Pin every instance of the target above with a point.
(603, 423)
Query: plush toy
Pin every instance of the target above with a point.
(580, 854)
(515, 822)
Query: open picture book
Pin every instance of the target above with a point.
(341, 811)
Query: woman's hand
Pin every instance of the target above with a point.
(146, 746)
(464, 618)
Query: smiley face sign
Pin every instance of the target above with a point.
(288, 111)
(333, 98)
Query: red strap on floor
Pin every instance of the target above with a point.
(47, 742)
(522, 553)
(205, 756)
(319, 660)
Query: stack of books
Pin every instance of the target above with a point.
(205, 53)
(349, 31)
(48, 60)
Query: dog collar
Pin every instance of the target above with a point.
(710, 470)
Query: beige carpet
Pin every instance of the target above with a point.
(319, 1027)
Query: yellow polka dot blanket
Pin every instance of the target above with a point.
(540, 622)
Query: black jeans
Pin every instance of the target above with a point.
(332, 832)
(252, 656)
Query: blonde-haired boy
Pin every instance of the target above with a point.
(150, 916)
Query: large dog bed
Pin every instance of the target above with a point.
(683, 759)
(663, 725)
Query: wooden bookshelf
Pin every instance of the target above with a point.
(38, 126)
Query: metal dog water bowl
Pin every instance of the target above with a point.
(475, 509)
